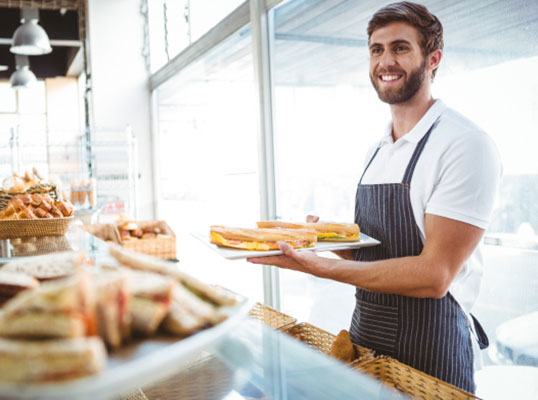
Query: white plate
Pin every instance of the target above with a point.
(237, 254)
(136, 365)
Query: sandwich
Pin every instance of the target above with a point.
(112, 300)
(46, 267)
(188, 313)
(261, 238)
(57, 309)
(12, 283)
(50, 360)
(326, 231)
(151, 295)
(143, 262)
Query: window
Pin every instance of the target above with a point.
(326, 116)
(207, 156)
(175, 24)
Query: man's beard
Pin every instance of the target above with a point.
(396, 96)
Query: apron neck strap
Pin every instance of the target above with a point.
(416, 154)
(369, 162)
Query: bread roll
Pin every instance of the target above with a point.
(342, 347)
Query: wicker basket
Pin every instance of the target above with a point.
(42, 188)
(275, 319)
(161, 247)
(21, 228)
(33, 246)
(322, 340)
(104, 232)
(414, 383)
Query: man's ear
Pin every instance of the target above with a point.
(434, 59)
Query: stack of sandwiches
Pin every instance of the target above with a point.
(49, 333)
(61, 316)
(270, 233)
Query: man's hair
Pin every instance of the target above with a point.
(428, 25)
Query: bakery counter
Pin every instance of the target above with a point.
(248, 361)
(257, 362)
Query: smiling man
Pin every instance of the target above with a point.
(426, 192)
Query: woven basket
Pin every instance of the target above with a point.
(104, 232)
(275, 319)
(322, 340)
(21, 228)
(206, 378)
(161, 247)
(414, 383)
(41, 188)
(33, 246)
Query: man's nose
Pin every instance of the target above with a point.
(387, 59)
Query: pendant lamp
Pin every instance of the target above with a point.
(30, 38)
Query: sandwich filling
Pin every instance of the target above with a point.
(335, 235)
(253, 245)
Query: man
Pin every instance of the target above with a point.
(426, 193)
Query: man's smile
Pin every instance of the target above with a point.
(390, 78)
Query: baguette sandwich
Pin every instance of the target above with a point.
(57, 309)
(261, 239)
(50, 360)
(326, 231)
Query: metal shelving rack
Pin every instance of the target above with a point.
(109, 157)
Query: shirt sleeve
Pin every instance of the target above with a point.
(468, 181)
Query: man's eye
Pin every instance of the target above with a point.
(375, 51)
(399, 49)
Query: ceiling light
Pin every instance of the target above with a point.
(4, 67)
(30, 38)
(22, 77)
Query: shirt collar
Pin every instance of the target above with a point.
(420, 129)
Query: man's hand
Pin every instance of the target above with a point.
(312, 218)
(304, 261)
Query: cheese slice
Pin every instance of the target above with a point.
(245, 245)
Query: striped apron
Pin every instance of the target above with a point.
(431, 335)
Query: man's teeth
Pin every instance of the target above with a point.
(389, 77)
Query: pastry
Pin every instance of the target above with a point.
(342, 347)
(13, 185)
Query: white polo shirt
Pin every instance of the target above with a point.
(457, 177)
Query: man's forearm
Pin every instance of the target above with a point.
(344, 254)
(409, 276)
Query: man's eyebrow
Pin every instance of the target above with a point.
(393, 43)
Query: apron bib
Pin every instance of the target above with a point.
(431, 335)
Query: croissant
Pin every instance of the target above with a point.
(35, 206)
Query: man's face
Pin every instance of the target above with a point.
(397, 65)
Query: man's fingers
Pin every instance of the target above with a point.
(312, 218)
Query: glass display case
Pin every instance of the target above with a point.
(250, 361)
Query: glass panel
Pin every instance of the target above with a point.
(327, 115)
(205, 14)
(207, 156)
(175, 24)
